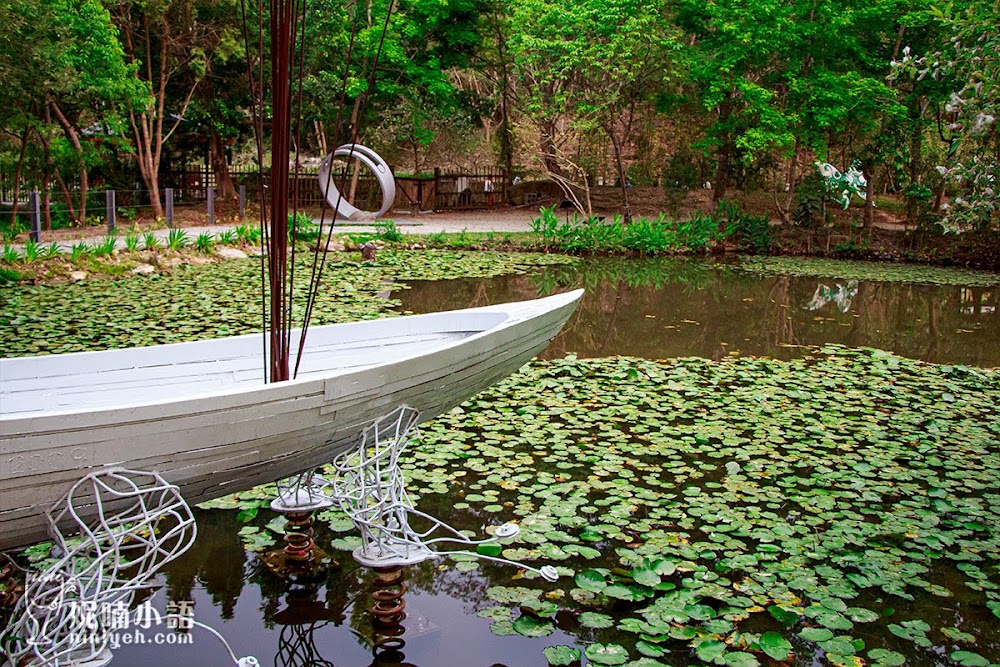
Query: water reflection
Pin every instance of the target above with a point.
(663, 308)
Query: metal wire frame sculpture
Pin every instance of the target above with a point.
(142, 524)
(370, 487)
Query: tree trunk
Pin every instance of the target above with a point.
(548, 150)
(74, 138)
(725, 153)
(916, 148)
(616, 146)
(785, 212)
(869, 218)
(224, 187)
(17, 176)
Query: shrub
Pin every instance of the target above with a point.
(387, 231)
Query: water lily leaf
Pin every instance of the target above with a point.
(591, 580)
(606, 654)
(884, 658)
(589, 619)
(560, 656)
(346, 543)
(775, 646)
(649, 649)
(710, 649)
(645, 577)
(784, 615)
(741, 659)
(969, 659)
(816, 634)
(496, 613)
(491, 549)
(532, 626)
(543, 608)
(502, 628)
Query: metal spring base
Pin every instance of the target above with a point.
(388, 614)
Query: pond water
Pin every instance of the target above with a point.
(665, 309)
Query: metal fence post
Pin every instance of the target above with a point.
(36, 217)
(243, 200)
(169, 195)
(109, 200)
(210, 195)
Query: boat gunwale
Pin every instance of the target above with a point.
(280, 390)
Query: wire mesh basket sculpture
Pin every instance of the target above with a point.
(370, 487)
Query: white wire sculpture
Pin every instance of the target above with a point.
(370, 487)
(142, 524)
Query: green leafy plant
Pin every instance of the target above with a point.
(204, 243)
(10, 254)
(11, 232)
(150, 241)
(132, 241)
(105, 246)
(79, 250)
(177, 239)
(387, 231)
(227, 237)
(301, 227)
(247, 234)
(32, 250)
(9, 276)
(51, 250)
(127, 213)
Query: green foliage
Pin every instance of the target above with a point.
(9, 276)
(248, 235)
(646, 236)
(32, 250)
(79, 251)
(387, 231)
(10, 254)
(205, 243)
(132, 241)
(177, 239)
(150, 241)
(227, 237)
(104, 246)
(9, 233)
(301, 227)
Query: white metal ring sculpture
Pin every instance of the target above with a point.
(373, 161)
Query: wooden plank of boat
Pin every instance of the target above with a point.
(200, 414)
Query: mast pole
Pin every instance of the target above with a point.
(282, 19)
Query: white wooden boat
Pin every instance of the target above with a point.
(200, 414)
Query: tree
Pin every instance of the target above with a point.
(64, 77)
(967, 62)
(171, 45)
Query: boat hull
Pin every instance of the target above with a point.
(222, 442)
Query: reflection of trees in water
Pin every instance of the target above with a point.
(217, 560)
(639, 307)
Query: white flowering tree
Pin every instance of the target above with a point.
(969, 61)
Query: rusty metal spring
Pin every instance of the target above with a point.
(388, 614)
(299, 538)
